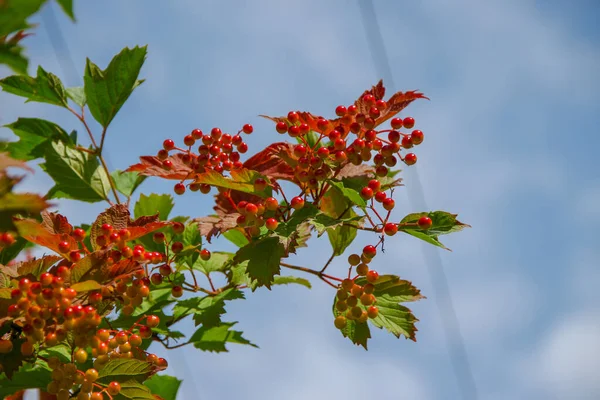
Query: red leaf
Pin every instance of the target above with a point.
(34, 267)
(37, 233)
(153, 166)
(123, 267)
(355, 171)
(56, 223)
(139, 231)
(270, 161)
(143, 220)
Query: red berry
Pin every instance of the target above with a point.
(242, 148)
(416, 137)
(424, 222)
(179, 188)
(177, 247)
(79, 234)
(381, 104)
(408, 122)
(260, 184)
(299, 150)
(369, 99)
(407, 142)
(114, 388)
(271, 204)
(293, 117)
(178, 228)
(215, 133)
(205, 254)
(247, 129)
(197, 134)
(297, 203)
(340, 111)
(294, 131)
(410, 159)
(204, 188)
(375, 185)
(177, 291)
(372, 312)
(168, 145)
(165, 270)
(158, 237)
(369, 251)
(372, 276)
(390, 229)
(271, 224)
(64, 247)
(251, 209)
(323, 152)
(352, 110)
(388, 204)
(396, 123)
(167, 164)
(366, 193)
(381, 171)
(189, 140)
(152, 321)
(374, 112)
(281, 127)
(156, 278)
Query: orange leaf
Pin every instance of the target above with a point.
(56, 223)
(37, 233)
(153, 166)
(216, 224)
(139, 231)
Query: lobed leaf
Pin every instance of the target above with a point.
(264, 258)
(125, 369)
(164, 386)
(214, 339)
(160, 204)
(127, 182)
(34, 136)
(78, 175)
(35, 232)
(107, 90)
(44, 88)
(442, 223)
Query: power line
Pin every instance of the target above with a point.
(454, 340)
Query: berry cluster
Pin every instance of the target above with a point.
(218, 152)
(356, 301)
(67, 376)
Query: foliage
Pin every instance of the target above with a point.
(81, 319)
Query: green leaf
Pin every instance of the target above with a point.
(44, 88)
(133, 390)
(322, 222)
(78, 175)
(11, 55)
(218, 262)
(77, 94)
(288, 279)
(124, 369)
(11, 252)
(106, 91)
(442, 223)
(12, 204)
(286, 229)
(15, 13)
(350, 194)
(153, 204)
(88, 263)
(62, 351)
(127, 182)
(214, 339)
(164, 385)
(26, 378)
(34, 135)
(241, 180)
(264, 257)
(341, 237)
(67, 6)
(236, 237)
(207, 310)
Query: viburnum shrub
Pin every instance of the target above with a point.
(78, 321)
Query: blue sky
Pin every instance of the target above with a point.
(510, 146)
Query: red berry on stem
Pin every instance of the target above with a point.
(340, 111)
(179, 188)
(424, 222)
(281, 127)
(390, 229)
(407, 142)
(168, 145)
(178, 227)
(260, 184)
(366, 193)
(372, 276)
(410, 159)
(369, 251)
(396, 123)
(64, 247)
(375, 185)
(215, 133)
(247, 129)
(271, 224)
(197, 134)
(205, 254)
(369, 99)
(408, 122)
(416, 137)
(388, 204)
(293, 116)
(177, 291)
(297, 203)
(189, 140)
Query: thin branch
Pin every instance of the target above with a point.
(328, 262)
